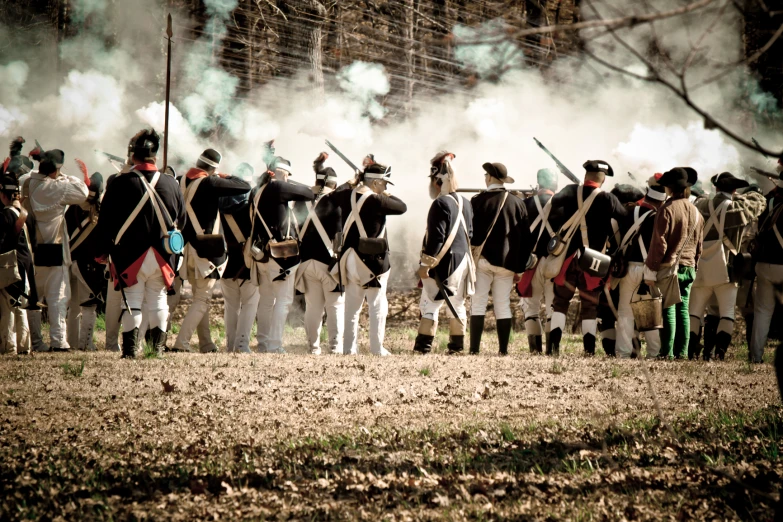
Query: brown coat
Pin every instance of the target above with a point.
(672, 224)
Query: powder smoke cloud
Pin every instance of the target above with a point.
(580, 112)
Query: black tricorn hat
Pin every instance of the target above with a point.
(20, 165)
(51, 160)
(678, 177)
(598, 166)
(145, 144)
(499, 171)
(627, 193)
(728, 182)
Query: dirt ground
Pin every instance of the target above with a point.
(221, 436)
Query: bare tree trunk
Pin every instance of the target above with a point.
(409, 24)
(301, 39)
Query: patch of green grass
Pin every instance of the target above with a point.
(148, 352)
(507, 432)
(557, 368)
(425, 371)
(100, 323)
(411, 333)
(73, 370)
(324, 335)
(174, 329)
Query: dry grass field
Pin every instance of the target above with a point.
(86, 436)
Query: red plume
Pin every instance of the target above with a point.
(441, 156)
(5, 164)
(83, 167)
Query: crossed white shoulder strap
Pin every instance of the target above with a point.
(355, 217)
(256, 212)
(313, 217)
(578, 219)
(189, 191)
(149, 194)
(543, 217)
(634, 231)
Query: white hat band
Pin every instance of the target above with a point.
(655, 194)
(207, 161)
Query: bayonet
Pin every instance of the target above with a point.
(169, 35)
(567, 173)
(342, 156)
(442, 289)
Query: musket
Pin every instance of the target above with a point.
(342, 156)
(630, 175)
(770, 175)
(169, 34)
(442, 289)
(111, 156)
(567, 173)
(523, 193)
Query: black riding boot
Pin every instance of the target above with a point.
(722, 343)
(694, 346)
(129, 342)
(535, 343)
(456, 344)
(749, 329)
(711, 323)
(504, 335)
(553, 342)
(423, 343)
(589, 342)
(476, 329)
(158, 340)
(609, 346)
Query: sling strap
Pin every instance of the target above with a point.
(635, 231)
(146, 196)
(83, 232)
(480, 249)
(232, 224)
(256, 212)
(578, 219)
(189, 191)
(459, 222)
(356, 218)
(313, 217)
(717, 219)
(543, 217)
(24, 230)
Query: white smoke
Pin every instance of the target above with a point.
(491, 59)
(580, 112)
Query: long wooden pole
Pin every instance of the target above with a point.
(169, 34)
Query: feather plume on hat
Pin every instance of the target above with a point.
(85, 173)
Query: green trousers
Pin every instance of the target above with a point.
(676, 319)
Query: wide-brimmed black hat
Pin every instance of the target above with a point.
(598, 166)
(678, 177)
(728, 182)
(498, 171)
(51, 160)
